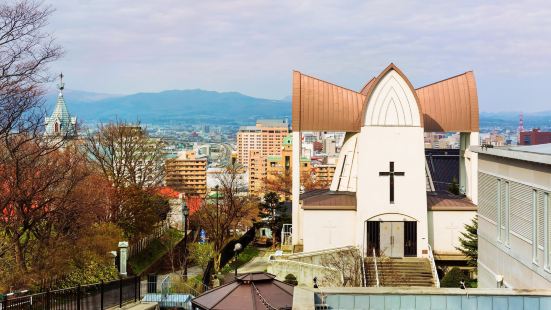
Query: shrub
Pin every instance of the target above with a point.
(291, 279)
(452, 278)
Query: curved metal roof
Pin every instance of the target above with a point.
(449, 105)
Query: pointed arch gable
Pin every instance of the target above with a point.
(390, 87)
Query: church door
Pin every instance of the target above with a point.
(392, 239)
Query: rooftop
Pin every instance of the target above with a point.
(249, 291)
(533, 153)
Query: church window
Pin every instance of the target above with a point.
(535, 226)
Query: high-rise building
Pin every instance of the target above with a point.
(273, 166)
(187, 174)
(266, 137)
(60, 123)
(533, 137)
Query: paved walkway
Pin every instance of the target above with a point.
(257, 264)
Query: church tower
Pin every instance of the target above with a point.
(391, 188)
(60, 123)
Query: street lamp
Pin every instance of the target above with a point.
(185, 214)
(236, 248)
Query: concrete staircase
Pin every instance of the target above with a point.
(407, 271)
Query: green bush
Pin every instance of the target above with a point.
(291, 279)
(453, 278)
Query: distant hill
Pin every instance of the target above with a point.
(198, 106)
(173, 106)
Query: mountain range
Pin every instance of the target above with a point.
(193, 106)
(196, 106)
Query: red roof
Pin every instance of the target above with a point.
(168, 192)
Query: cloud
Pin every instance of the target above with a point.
(252, 46)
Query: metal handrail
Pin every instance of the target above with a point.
(376, 270)
(364, 276)
(433, 267)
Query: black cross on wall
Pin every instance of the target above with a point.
(391, 173)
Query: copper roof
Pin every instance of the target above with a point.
(367, 86)
(328, 200)
(451, 104)
(448, 105)
(444, 201)
(242, 294)
(322, 106)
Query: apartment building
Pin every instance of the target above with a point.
(187, 174)
(266, 137)
(270, 167)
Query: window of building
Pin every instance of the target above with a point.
(535, 226)
(546, 229)
(507, 214)
(498, 204)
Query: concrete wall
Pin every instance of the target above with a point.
(328, 229)
(305, 273)
(445, 228)
(513, 261)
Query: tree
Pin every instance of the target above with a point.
(291, 279)
(26, 50)
(201, 253)
(469, 242)
(126, 155)
(453, 278)
(273, 212)
(228, 210)
(138, 211)
(48, 198)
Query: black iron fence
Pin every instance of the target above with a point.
(86, 297)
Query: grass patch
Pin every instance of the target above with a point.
(155, 250)
(244, 257)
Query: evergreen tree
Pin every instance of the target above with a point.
(469, 242)
(272, 210)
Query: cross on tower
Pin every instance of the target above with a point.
(392, 173)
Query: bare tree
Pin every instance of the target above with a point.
(25, 52)
(126, 155)
(230, 211)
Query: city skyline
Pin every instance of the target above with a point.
(133, 47)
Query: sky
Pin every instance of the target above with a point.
(128, 46)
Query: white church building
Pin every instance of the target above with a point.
(382, 196)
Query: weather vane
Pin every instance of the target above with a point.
(61, 85)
